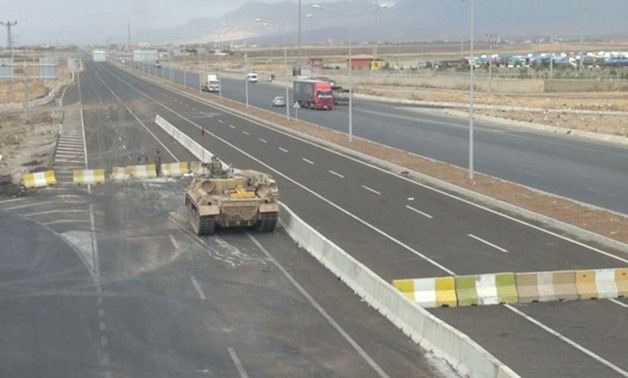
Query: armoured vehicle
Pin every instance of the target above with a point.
(231, 198)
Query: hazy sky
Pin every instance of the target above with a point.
(83, 21)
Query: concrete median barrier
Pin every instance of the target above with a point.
(546, 286)
(486, 289)
(621, 278)
(602, 283)
(174, 169)
(431, 333)
(88, 176)
(39, 179)
(119, 174)
(429, 292)
(141, 171)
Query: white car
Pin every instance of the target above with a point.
(252, 77)
(279, 101)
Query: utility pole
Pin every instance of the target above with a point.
(8, 25)
(26, 94)
(299, 55)
(492, 38)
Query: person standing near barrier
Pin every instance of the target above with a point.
(158, 164)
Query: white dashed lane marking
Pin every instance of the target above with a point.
(419, 212)
(488, 243)
(336, 174)
(308, 161)
(371, 190)
(283, 149)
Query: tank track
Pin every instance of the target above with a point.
(267, 223)
(206, 226)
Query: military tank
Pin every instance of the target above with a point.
(231, 198)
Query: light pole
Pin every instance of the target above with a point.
(582, 35)
(350, 61)
(471, 94)
(246, 75)
(224, 24)
(492, 38)
(285, 61)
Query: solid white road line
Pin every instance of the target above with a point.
(321, 310)
(237, 363)
(174, 243)
(198, 288)
(622, 304)
(569, 341)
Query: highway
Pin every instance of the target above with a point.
(591, 172)
(400, 229)
(154, 300)
(108, 280)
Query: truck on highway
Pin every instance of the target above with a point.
(313, 94)
(211, 84)
(340, 95)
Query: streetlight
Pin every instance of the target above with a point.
(222, 25)
(285, 61)
(350, 15)
(583, 6)
(471, 94)
(246, 74)
(492, 38)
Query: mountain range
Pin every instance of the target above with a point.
(406, 21)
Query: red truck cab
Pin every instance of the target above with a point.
(314, 94)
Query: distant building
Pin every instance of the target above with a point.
(365, 62)
(316, 64)
(145, 55)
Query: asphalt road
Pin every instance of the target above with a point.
(108, 281)
(401, 229)
(591, 172)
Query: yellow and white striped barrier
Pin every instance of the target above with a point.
(174, 169)
(486, 289)
(546, 286)
(142, 171)
(429, 292)
(88, 176)
(197, 169)
(119, 174)
(39, 179)
(602, 283)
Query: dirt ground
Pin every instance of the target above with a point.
(594, 112)
(29, 146)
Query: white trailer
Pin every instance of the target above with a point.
(212, 84)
